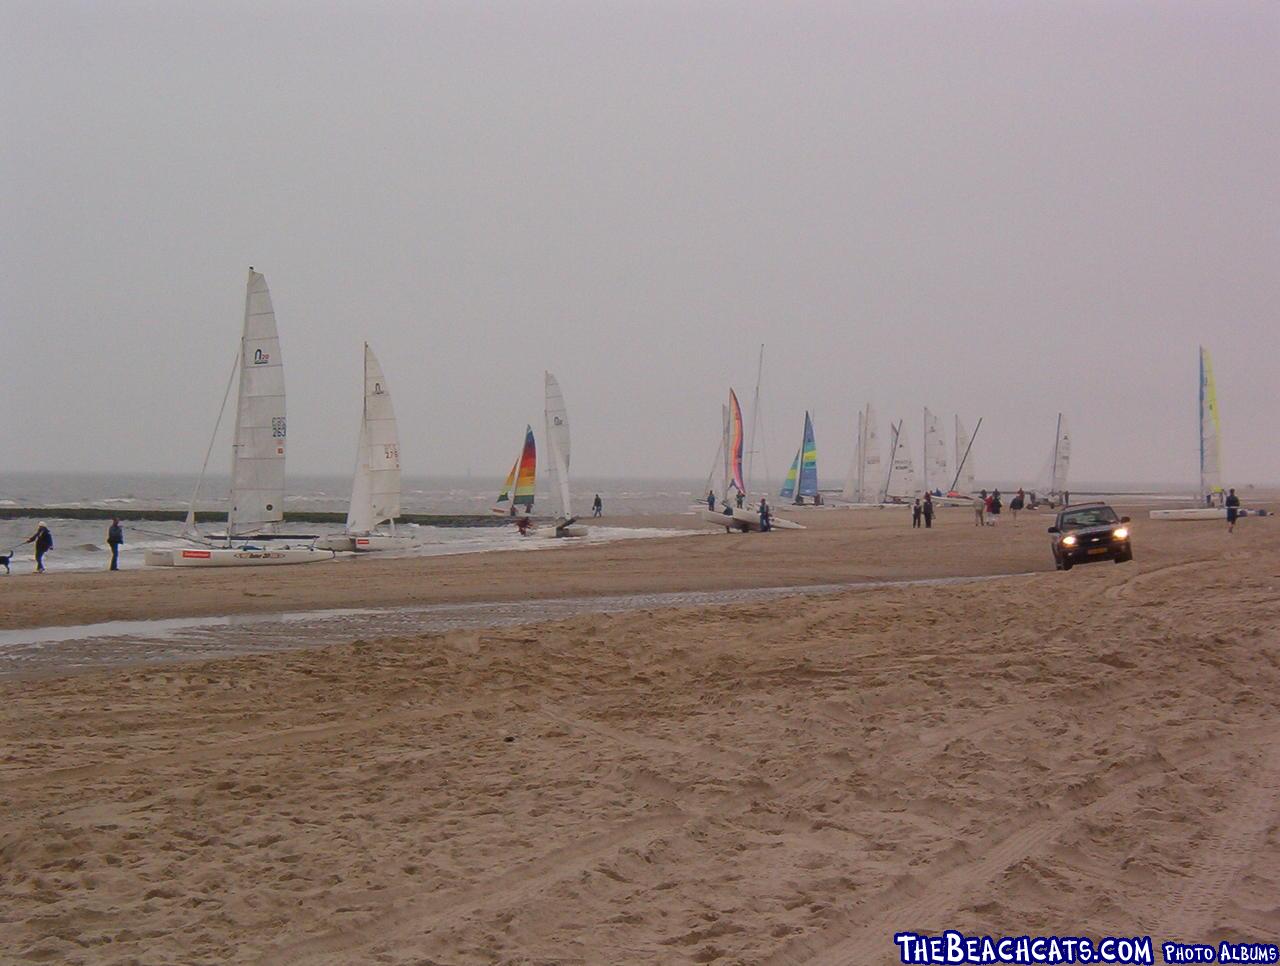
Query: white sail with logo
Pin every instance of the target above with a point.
(257, 461)
(935, 454)
(375, 494)
(1061, 459)
(557, 420)
(865, 479)
(900, 481)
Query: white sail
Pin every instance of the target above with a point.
(964, 458)
(557, 418)
(375, 493)
(257, 462)
(1061, 458)
(900, 482)
(872, 472)
(1210, 433)
(853, 482)
(935, 454)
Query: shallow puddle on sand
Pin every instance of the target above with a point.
(51, 650)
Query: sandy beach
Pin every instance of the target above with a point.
(780, 782)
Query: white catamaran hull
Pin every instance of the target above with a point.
(365, 542)
(744, 520)
(552, 532)
(1201, 513)
(247, 556)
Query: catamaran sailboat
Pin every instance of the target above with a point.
(802, 477)
(900, 480)
(962, 485)
(935, 455)
(375, 490)
(1211, 491)
(257, 456)
(732, 482)
(516, 498)
(1059, 464)
(557, 441)
(862, 486)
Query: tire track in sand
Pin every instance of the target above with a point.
(866, 936)
(1220, 860)
(434, 911)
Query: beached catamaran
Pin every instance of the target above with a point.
(733, 480)
(1211, 490)
(375, 488)
(962, 485)
(257, 456)
(557, 442)
(802, 477)
(935, 454)
(900, 480)
(862, 486)
(1059, 463)
(516, 498)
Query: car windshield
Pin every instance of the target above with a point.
(1094, 516)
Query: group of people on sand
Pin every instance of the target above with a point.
(739, 501)
(43, 541)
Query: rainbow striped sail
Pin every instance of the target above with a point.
(735, 442)
(521, 479)
(802, 478)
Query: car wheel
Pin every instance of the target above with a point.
(1125, 558)
(1066, 565)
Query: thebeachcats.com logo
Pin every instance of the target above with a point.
(260, 358)
(956, 947)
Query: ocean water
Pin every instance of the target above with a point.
(81, 544)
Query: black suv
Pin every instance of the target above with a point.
(1087, 532)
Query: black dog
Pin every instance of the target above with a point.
(4, 561)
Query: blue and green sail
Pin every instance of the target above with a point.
(802, 477)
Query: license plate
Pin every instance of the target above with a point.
(1098, 550)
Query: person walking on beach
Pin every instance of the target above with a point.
(766, 520)
(1017, 503)
(711, 500)
(996, 506)
(115, 539)
(741, 499)
(980, 509)
(927, 509)
(43, 540)
(597, 507)
(1233, 510)
(915, 514)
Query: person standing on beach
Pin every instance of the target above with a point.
(980, 509)
(711, 500)
(43, 540)
(927, 509)
(766, 521)
(996, 507)
(597, 507)
(741, 498)
(1017, 503)
(916, 511)
(1233, 510)
(115, 540)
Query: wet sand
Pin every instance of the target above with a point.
(781, 781)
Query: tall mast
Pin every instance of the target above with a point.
(755, 417)
(893, 452)
(861, 455)
(924, 436)
(1053, 472)
(965, 458)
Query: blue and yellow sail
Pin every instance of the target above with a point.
(802, 477)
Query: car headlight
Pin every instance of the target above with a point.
(1068, 541)
(1120, 533)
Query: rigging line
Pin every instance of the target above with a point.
(191, 509)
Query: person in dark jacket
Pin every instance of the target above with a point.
(927, 509)
(711, 500)
(916, 512)
(1233, 510)
(43, 540)
(741, 498)
(597, 506)
(115, 540)
(766, 516)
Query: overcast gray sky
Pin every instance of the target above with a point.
(997, 208)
